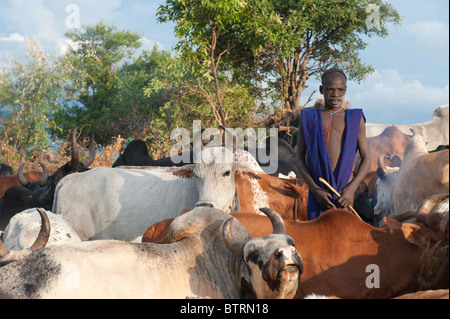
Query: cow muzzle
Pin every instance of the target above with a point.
(285, 265)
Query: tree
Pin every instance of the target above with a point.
(281, 42)
(95, 58)
(30, 93)
(200, 25)
(177, 96)
(296, 40)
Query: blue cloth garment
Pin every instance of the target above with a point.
(317, 155)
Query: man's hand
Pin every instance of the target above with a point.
(324, 198)
(347, 197)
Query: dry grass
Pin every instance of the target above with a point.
(105, 157)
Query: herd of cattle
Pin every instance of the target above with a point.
(148, 228)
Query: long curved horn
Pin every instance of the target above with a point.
(44, 232)
(44, 177)
(22, 180)
(92, 150)
(7, 256)
(277, 222)
(234, 245)
(74, 150)
(428, 203)
(380, 162)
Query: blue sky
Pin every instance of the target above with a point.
(411, 75)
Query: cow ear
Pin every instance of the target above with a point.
(410, 231)
(392, 223)
(241, 169)
(186, 171)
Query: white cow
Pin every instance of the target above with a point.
(9, 256)
(421, 175)
(24, 227)
(121, 203)
(435, 131)
(211, 255)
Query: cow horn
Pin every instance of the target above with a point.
(277, 222)
(432, 210)
(92, 150)
(381, 162)
(23, 181)
(7, 256)
(428, 203)
(44, 233)
(75, 155)
(44, 177)
(234, 245)
(227, 130)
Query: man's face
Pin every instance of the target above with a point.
(333, 91)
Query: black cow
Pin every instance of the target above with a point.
(16, 200)
(6, 170)
(44, 190)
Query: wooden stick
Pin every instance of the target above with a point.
(338, 195)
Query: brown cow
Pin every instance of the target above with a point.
(288, 196)
(348, 258)
(10, 181)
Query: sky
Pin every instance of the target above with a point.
(411, 77)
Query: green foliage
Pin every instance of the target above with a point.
(201, 26)
(30, 93)
(282, 42)
(94, 58)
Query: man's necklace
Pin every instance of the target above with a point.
(329, 122)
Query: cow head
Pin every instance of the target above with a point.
(385, 184)
(273, 262)
(6, 170)
(8, 256)
(214, 174)
(417, 145)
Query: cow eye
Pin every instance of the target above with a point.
(227, 173)
(252, 257)
(291, 242)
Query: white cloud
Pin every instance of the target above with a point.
(389, 97)
(148, 44)
(14, 37)
(432, 37)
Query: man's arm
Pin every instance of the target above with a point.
(348, 192)
(323, 197)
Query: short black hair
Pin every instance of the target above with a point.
(331, 71)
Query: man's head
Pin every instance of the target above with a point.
(333, 88)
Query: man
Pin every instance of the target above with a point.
(329, 137)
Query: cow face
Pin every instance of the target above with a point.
(275, 266)
(215, 178)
